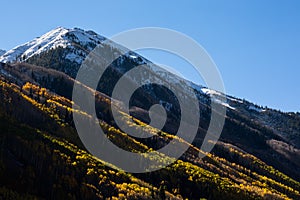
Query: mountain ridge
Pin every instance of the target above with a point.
(62, 37)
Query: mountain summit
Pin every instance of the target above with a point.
(59, 37)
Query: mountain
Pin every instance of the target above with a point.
(65, 49)
(257, 156)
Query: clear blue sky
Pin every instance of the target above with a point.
(255, 44)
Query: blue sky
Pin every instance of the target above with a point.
(255, 44)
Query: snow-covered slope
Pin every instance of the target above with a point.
(59, 37)
(2, 52)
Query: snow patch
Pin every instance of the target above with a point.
(235, 99)
(74, 57)
(210, 92)
(257, 109)
(215, 96)
(225, 104)
(133, 56)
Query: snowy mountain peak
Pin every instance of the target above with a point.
(58, 37)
